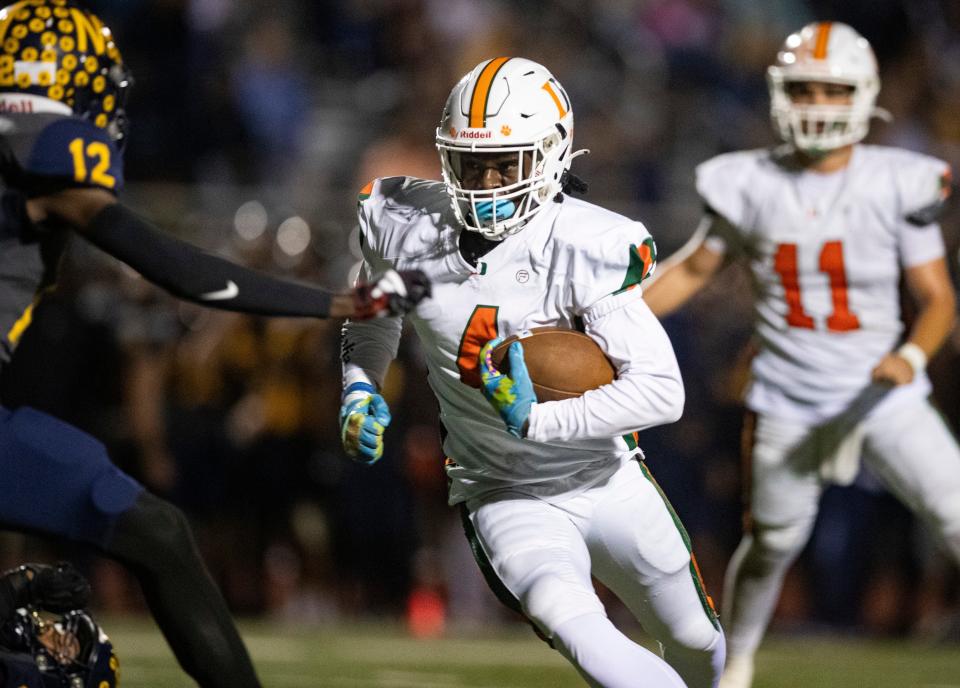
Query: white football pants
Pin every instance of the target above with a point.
(625, 534)
(908, 447)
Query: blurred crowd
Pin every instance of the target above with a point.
(254, 125)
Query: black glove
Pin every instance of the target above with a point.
(59, 588)
(392, 293)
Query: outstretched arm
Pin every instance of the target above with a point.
(194, 275)
(366, 349)
(685, 273)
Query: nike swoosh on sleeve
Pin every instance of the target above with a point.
(229, 292)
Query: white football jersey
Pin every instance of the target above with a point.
(826, 252)
(575, 265)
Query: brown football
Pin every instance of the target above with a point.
(562, 363)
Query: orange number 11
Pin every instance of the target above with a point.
(831, 264)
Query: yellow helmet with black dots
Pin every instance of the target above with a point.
(58, 49)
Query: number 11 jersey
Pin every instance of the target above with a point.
(826, 253)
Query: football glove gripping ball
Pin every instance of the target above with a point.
(364, 417)
(392, 293)
(511, 396)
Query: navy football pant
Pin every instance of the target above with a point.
(57, 480)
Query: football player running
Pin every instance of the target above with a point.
(62, 88)
(828, 226)
(550, 493)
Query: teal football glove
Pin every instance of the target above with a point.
(511, 395)
(364, 416)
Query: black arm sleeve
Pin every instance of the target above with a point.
(194, 275)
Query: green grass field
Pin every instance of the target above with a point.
(384, 657)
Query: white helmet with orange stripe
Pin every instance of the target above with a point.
(828, 52)
(506, 105)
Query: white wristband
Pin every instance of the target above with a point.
(353, 373)
(913, 355)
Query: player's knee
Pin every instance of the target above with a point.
(550, 599)
(542, 598)
(155, 532)
(944, 517)
(777, 543)
(698, 634)
(697, 651)
(172, 526)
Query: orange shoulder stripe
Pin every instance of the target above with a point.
(366, 190)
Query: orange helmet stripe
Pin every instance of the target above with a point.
(823, 37)
(481, 92)
(556, 99)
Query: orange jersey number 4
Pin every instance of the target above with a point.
(481, 328)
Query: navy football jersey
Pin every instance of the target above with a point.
(40, 154)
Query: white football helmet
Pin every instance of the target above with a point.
(829, 52)
(506, 105)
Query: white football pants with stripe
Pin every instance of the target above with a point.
(625, 534)
(907, 446)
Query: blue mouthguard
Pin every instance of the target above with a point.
(504, 209)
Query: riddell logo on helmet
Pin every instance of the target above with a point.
(10, 106)
(475, 134)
